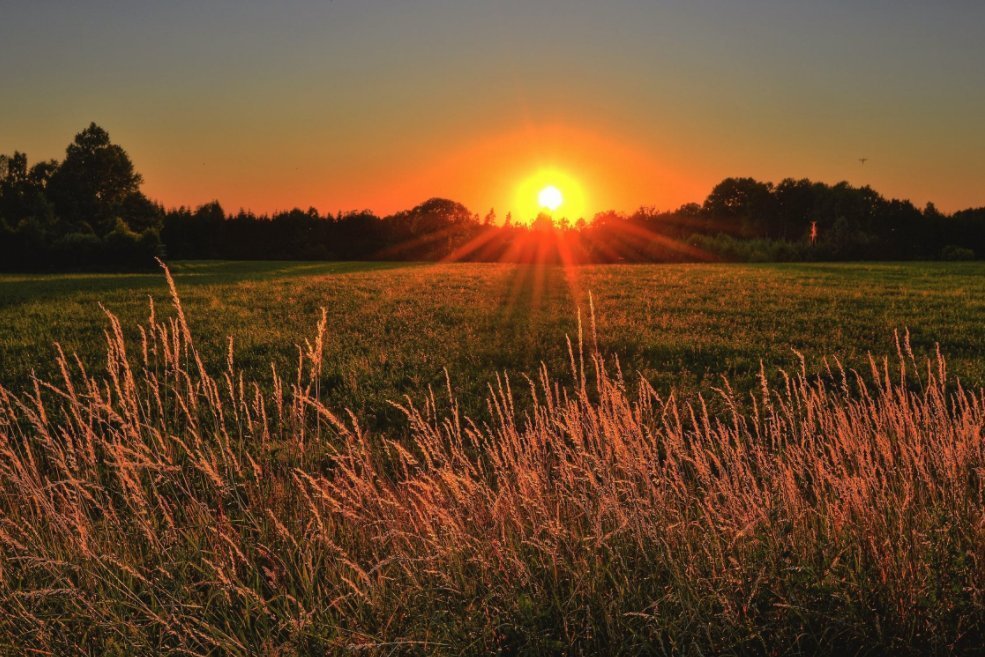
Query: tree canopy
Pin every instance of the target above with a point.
(88, 211)
(95, 182)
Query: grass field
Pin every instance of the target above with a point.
(392, 328)
(180, 498)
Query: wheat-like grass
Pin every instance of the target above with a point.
(160, 509)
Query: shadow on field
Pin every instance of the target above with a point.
(18, 288)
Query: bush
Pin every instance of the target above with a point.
(734, 249)
(952, 252)
(124, 248)
(77, 250)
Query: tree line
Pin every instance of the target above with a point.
(87, 212)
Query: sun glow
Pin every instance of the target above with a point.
(550, 198)
(552, 191)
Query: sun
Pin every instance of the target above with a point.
(550, 198)
(551, 190)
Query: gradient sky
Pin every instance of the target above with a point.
(380, 104)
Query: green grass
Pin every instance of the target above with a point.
(394, 327)
(163, 505)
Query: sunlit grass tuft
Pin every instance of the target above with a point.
(159, 507)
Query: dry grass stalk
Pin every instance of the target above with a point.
(159, 509)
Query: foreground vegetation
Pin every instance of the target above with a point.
(394, 329)
(164, 506)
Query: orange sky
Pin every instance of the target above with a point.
(379, 105)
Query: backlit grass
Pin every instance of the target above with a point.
(394, 328)
(167, 505)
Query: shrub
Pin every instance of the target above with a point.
(952, 252)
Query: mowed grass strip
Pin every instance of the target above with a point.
(393, 328)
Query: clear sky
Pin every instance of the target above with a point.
(380, 104)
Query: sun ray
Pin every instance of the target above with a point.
(473, 246)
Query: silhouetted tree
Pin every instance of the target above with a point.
(23, 191)
(88, 211)
(429, 231)
(748, 203)
(95, 182)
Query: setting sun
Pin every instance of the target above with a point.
(550, 198)
(550, 190)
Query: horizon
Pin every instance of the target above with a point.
(555, 217)
(534, 210)
(458, 327)
(265, 108)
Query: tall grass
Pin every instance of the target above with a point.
(160, 508)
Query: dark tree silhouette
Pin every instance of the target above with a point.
(95, 183)
(748, 202)
(22, 191)
(85, 212)
(88, 211)
(429, 231)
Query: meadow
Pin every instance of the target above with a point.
(707, 461)
(394, 328)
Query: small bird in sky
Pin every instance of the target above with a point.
(863, 160)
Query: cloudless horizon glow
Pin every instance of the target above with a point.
(370, 104)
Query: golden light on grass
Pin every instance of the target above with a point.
(176, 503)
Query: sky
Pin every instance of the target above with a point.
(380, 104)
